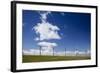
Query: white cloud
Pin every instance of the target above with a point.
(47, 31)
(31, 52)
(47, 47)
(44, 15)
(37, 39)
(37, 52)
(47, 44)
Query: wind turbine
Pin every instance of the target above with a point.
(76, 52)
(53, 51)
(65, 51)
(40, 50)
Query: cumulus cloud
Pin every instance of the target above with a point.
(47, 31)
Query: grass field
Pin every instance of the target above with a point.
(37, 58)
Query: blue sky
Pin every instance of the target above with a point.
(74, 30)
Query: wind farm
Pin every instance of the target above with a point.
(40, 56)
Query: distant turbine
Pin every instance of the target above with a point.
(65, 51)
(40, 50)
(53, 51)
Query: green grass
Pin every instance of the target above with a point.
(37, 58)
